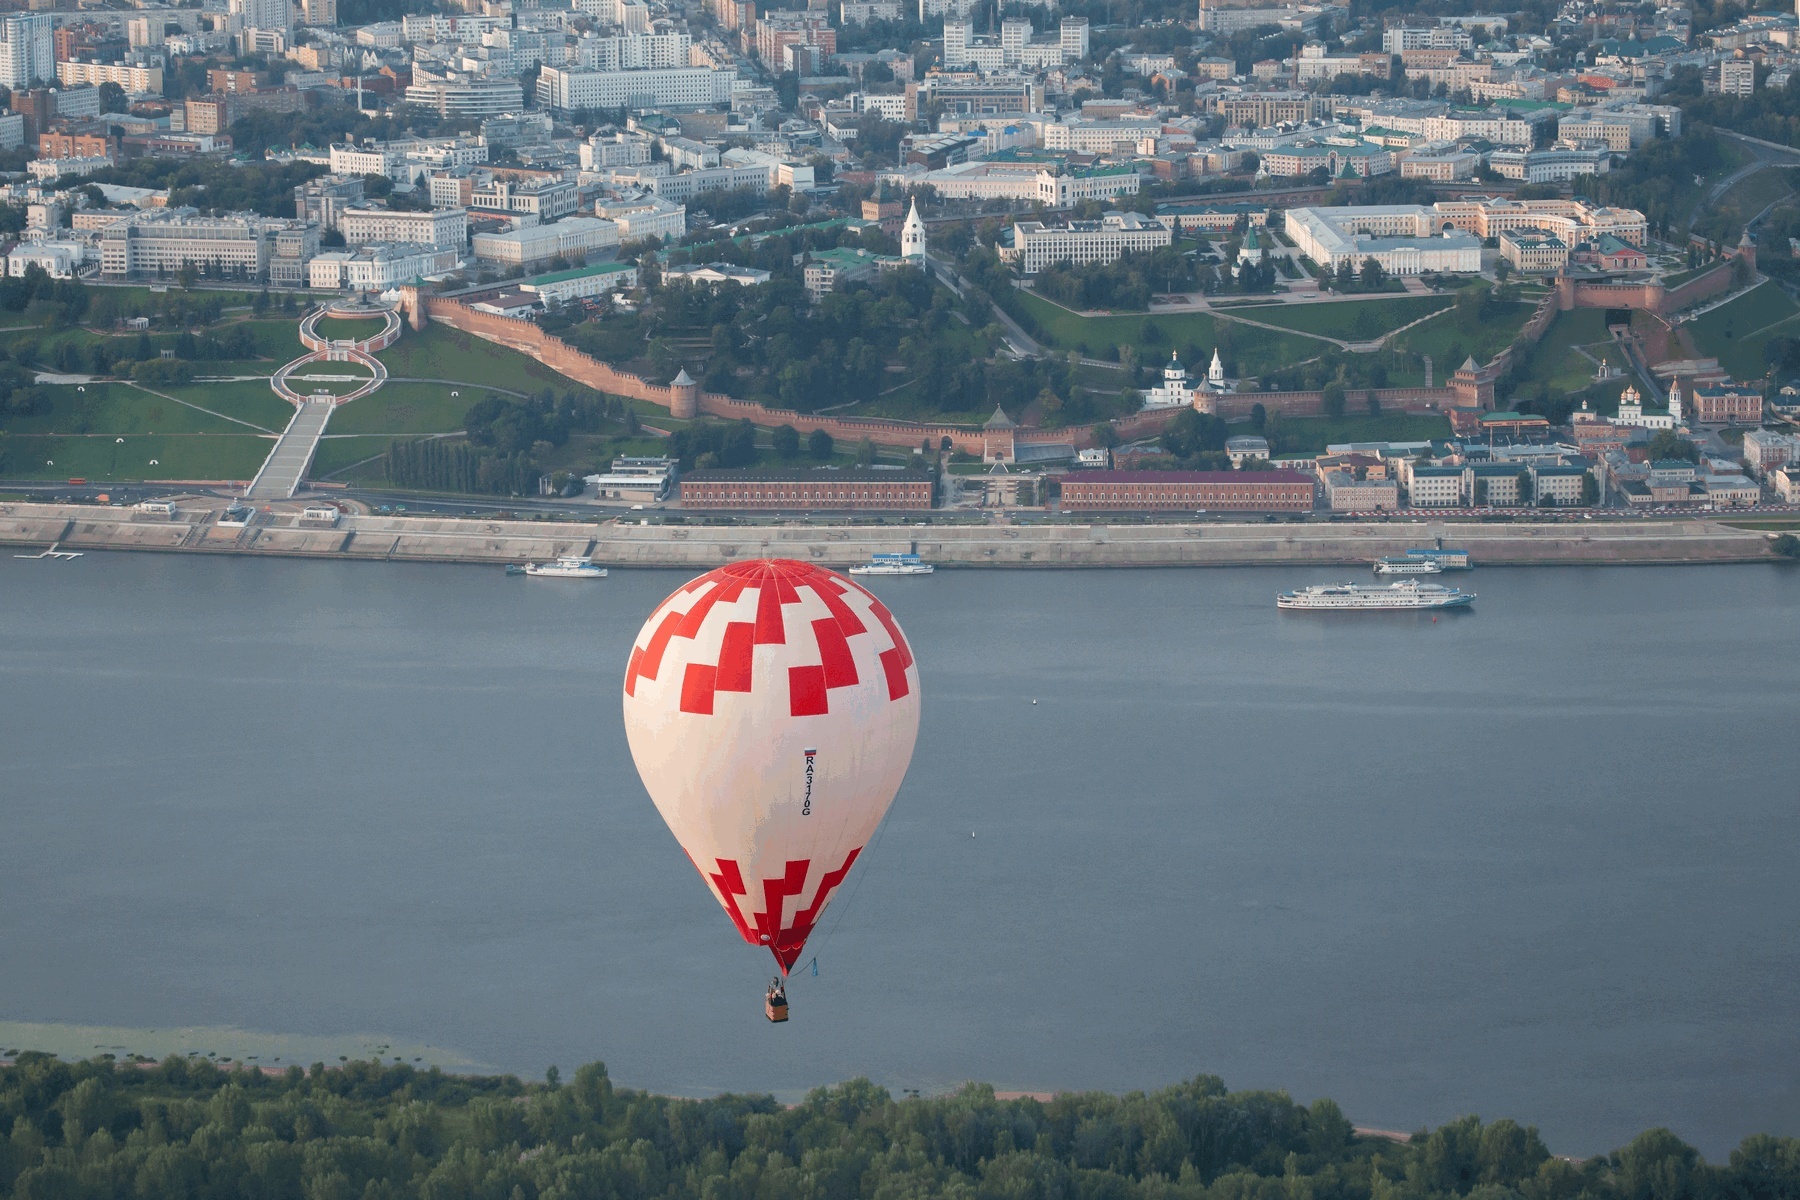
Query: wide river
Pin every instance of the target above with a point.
(1536, 861)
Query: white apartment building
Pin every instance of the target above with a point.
(633, 52)
(663, 87)
(861, 12)
(1737, 77)
(378, 267)
(1037, 245)
(440, 227)
(1074, 31)
(571, 238)
(132, 79)
(27, 55)
(614, 150)
(466, 30)
(1437, 37)
(465, 95)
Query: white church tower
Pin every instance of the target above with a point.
(1675, 392)
(1215, 374)
(912, 234)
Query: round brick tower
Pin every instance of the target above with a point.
(684, 396)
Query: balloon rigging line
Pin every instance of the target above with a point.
(831, 933)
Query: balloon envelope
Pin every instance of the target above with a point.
(771, 707)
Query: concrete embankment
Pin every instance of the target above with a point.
(473, 540)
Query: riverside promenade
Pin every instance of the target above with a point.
(700, 547)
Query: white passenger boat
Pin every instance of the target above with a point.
(1450, 560)
(1406, 564)
(892, 564)
(569, 566)
(1404, 595)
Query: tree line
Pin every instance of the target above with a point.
(189, 1128)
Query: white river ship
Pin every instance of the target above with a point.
(892, 564)
(1405, 595)
(1406, 564)
(569, 566)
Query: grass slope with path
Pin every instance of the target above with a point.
(1557, 363)
(1736, 332)
(1346, 320)
(101, 459)
(439, 352)
(1256, 350)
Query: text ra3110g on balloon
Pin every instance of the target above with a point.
(771, 707)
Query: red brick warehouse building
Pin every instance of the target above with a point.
(1175, 491)
(876, 491)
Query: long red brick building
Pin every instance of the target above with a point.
(881, 491)
(1175, 491)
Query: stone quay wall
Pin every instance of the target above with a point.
(701, 547)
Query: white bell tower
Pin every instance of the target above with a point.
(912, 234)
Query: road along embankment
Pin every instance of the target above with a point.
(474, 540)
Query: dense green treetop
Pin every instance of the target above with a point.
(188, 1128)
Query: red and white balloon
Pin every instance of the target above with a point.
(771, 707)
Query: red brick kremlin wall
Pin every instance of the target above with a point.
(527, 338)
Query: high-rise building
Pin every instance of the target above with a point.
(1013, 37)
(27, 50)
(1075, 38)
(957, 36)
(319, 12)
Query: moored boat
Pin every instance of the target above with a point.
(569, 566)
(893, 564)
(1406, 564)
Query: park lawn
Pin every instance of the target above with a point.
(1449, 344)
(439, 352)
(1735, 333)
(1554, 361)
(1310, 435)
(1256, 350)
(250, 400)
(337, 453)
(405, 409)
(278, 340)
(1352, 320)
(359, 377)
(112, 408)
(137, 298)
(335, 329)
(162, 456)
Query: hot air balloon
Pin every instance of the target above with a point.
(771, 707)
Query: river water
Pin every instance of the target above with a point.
(1534, 861)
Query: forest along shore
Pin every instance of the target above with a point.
(480, 540)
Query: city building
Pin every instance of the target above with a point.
(1037, 245)
(465, 95)
(57, 259)
(598, 280)
(668, 87)
(159, 242)
(572, 237)
(787, 490)
(1344, 492)
(1401, 238)
(132, 79)
(1190, 491)
(826, 271)
(634, 479)
(1431, 486)
(645, 217)
(1031, 182)
(1726, 404)
(27, 51)
(1532, 252)
(1558, 164)
(324, 200)
(446, 227)
(1765, 450)
(716, 274)
(379, 266)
